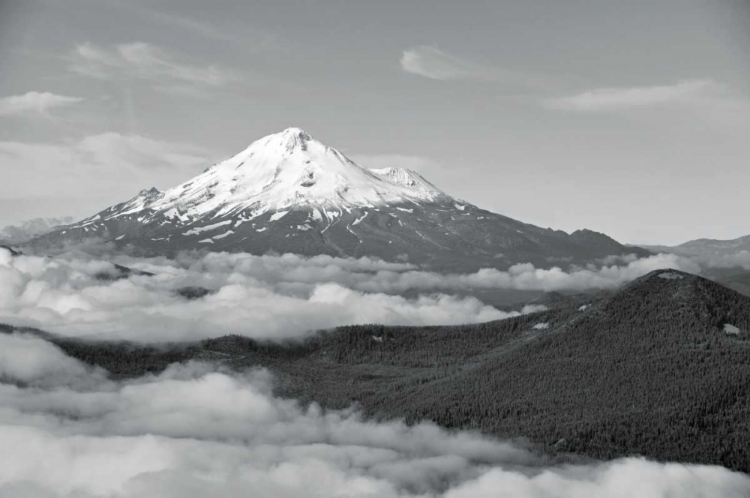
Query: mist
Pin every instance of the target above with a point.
(199, 430)
(266, 297)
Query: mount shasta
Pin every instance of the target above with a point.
(289, 193)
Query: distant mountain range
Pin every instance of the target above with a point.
(23, 232)
(659, 368)
(725, 261)
(707, 247)
(288, 192)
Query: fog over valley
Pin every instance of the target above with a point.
(267, 297)
(195, 430)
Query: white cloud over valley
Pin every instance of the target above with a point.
(272, 297)
(195, 430)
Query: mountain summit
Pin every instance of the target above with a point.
(287, 171)
(281, 172)
(288, 192)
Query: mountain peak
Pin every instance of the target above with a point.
(288, 192)
(290, 138)
(665, 277)
(150, 192)
(666, 293)
(296, 132)
(285, 171)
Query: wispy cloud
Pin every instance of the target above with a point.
(35, 103)
(145, 62)
(110, 164)
(250, 38)
(433, 63)
(613, 99)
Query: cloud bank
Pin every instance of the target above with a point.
(271, 297)
(261, 297)
(196, 431)
(35, 103)
(739, 259)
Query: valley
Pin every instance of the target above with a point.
(648, 370)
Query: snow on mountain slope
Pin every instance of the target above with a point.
(409, 179)
(287, 192)
(283, 172)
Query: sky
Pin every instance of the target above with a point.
(626, 118)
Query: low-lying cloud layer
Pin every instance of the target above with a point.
(267, 296)
(196, 431)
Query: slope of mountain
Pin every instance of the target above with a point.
(660, 368)
(725, 261)
(290, 193)
(738, 281)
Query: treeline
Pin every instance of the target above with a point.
(124, 359)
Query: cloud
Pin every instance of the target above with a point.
(28, 359)
(250, 38)
(101, 167)
(739, 259)
(146, 62)
(196, 430)
(525, 277)
(35, 103)
(268, 297)
(621, 478)
(614, 99)
(433, 63)
(263, 297)
(136, 151)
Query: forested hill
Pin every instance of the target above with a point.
(660, 368)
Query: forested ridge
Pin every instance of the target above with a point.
(651, 370)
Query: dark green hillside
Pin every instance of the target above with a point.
(738, 281)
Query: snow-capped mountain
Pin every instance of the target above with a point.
(288, 192)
